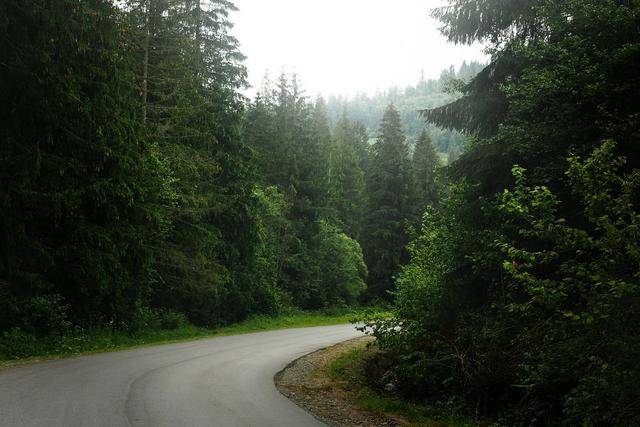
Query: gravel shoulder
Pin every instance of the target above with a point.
(306, 382)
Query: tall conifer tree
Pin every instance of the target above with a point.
(189, 72)
(425, 162)
(347, 185)
(80, 188)
(389, 189)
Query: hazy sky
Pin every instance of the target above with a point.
(345, 46)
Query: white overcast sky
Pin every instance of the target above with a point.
(345, 46)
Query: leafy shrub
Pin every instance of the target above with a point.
(553, 339)
(145, 318)
(340, 265)
(17, 343)
(574, 286)
(150, 319)
(40, 315)
(171, 320)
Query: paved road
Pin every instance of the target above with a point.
(226, 381)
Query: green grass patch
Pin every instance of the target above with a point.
(349, 371)
(18, 346)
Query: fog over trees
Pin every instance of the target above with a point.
(492, 211)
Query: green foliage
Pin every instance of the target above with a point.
(579, 282)
(148, 319)
(348, 154)
(340, 265)
(289, 136)
(365, 109)
(272, 250)
(557, 331)
(133, 196)
(81, 191)
(189, 71)
(520, 298)
(16, 344)
(313, 191)
(425, 164)
(42, 314)
(389, 190)
(353, 371)
(467, 21)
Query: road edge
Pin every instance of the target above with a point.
(304, 381)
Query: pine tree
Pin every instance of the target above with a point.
(260, 132)
(425, 163)
(362, 148)
(293, 159)
(81, 188)
(321, 181)
(347, 185)
(190, 72)
(315, 158)
(389, 189)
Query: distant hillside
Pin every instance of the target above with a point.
(425, 94)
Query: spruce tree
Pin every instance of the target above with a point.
(347, 184)
(292, 158)
(425, 163)
(315, 157)
(389, 190)
(362, 148)
(81, 187)
(190, 72)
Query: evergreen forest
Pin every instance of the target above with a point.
(409, 101)
(494, 212)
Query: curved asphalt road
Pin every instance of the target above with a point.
(226, 381)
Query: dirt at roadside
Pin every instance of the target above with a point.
(306, 383)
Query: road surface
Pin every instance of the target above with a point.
(225, 381)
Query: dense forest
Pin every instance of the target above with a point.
(140, 189)
(427, 93)
(521, 299)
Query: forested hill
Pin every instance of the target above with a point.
(139, 189)
(409, 101)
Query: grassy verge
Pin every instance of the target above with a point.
(16, 346)
(348, 372)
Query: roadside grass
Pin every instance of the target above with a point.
(17, 347)
(348, 372)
